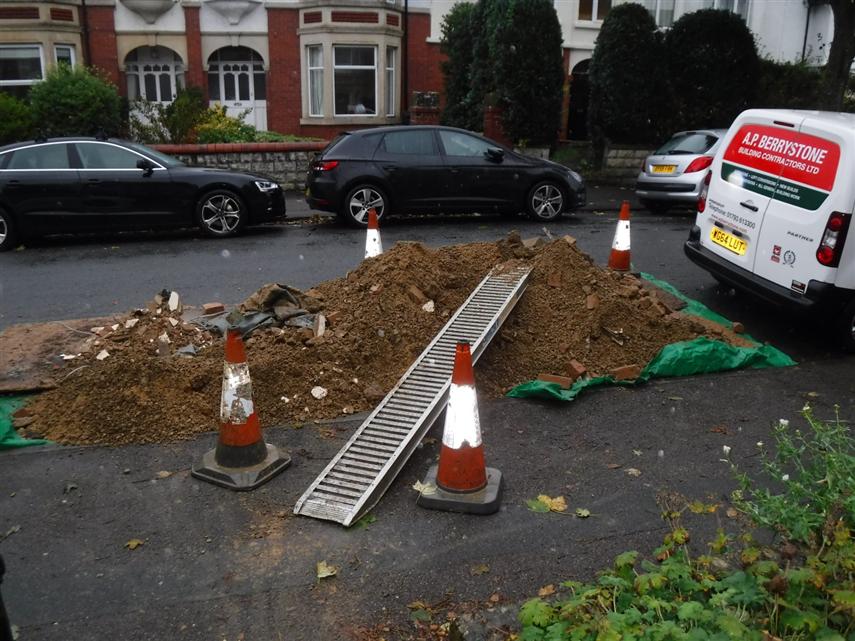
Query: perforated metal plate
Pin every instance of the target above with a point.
(362, 471)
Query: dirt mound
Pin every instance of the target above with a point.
(378, 321)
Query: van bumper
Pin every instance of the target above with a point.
(817, 295)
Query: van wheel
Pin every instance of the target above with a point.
(846, 328)
(8, 235)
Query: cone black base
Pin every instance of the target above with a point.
(487, 500)
(241, 478)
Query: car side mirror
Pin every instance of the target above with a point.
(146, 165)
(495, 154)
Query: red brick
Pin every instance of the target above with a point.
(213, 308)
(738, 328)
(564, 381)
(626, 372)
(194, 70)
(102, 43)
(592, 301)
(575, 369)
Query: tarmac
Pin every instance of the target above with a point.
(211, 564)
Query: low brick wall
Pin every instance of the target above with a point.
(286, 162)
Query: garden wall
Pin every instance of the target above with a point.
(286, 162)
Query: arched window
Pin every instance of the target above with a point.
(236, 75)
(154, 74)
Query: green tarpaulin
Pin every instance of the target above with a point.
(699, 356)
(8, 436)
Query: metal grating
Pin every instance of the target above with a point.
(362, 471)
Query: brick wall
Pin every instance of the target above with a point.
(424, 58)
(194, 71)
(285, 162)
(283, 80)
(102, 42)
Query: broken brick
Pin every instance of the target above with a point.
(592, 301)
(569, 240)
(564, 381)
(417, 295)
(213, 308)
(553, 279)
(738, 328)
(333, 317)
(576, 370)
(626, 372)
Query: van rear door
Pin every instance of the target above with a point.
(811, 156)
(742, 186)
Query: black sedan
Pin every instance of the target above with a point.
(87, 184)
(425, 169)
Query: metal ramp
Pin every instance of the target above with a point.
(362, 471)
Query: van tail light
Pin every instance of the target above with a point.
(833, 239)
(324, 165)
(701, 162)
(702, 197)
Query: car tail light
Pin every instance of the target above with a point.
(324, 165)
(701, 162)
(702, 197)
(833, 239)
(644, 165)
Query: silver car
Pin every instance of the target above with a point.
(674, 174)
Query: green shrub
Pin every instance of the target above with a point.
(176, 122)
(76, 102)
(629, 97)
(146, 122)
(712, 65)
(786, 85)
(458, 34)
(16, 120)
(529, 70)
(216, 126)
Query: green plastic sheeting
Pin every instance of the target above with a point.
(698, 356)
(8, 436)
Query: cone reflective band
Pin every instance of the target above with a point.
(619, 258)
(241, 460)
(373, 246)
(461, 460)
(461, 482)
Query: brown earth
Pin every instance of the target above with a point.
(143, 392)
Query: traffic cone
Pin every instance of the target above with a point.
(373, 246)
(241, 460)
(619, 258)
(463, 483)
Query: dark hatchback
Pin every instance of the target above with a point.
(72, 185)
(427, 169)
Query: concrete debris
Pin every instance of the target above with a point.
(114, 327)
(376, 288)
(174, 302)
(187, 350)
(164, 338)
(102, 355)
(173, 322)
(69, 357)
(428, 307)
(319, 392)
(96, 330)
(320, 327)
(131, 322)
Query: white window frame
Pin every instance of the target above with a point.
(26, 82)
(373, 68)
(312, 70)
(71, 51)
(391, 87)
(657, 10)
(738, 6)
(174, 67)
(594, 11)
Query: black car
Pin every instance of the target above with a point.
(87, 184)
(425, 169)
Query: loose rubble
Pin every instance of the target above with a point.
(353, 337)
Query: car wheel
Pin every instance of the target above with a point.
(8, 235)
(545, 201)
(656, 207)
(360, 200)
(221, 213)
(846, 328)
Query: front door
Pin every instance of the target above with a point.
(236, 80)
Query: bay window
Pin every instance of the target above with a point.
(354, 80)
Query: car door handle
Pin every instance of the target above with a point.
(93, 181)
(454, 171)
(390, 168)
(747, 204)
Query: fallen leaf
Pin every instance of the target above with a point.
(325, 570)
(480, 569)
(536, 505)
(420, 615)
(133, 544)
(546, 590)
(614, 466)
(494, 598)
(424, 488)
(699, 507)
(10, 532)
(417, 605)
(558, 504)
(732, 513)
(637, 452)
(719, 429)
(365, 521)
(582, 513)
(812, 394)
(675, 398)
(633, 471)
(163, 474)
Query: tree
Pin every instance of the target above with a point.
(458, 34)
(76, 102)
(712, 66)
(16, 119)
(529, 70)
(836, 72)
(629, 96)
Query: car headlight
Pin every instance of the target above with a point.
(266, 185)
(575, 176)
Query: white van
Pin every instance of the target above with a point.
(776, 211)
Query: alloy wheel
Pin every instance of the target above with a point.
(4, 229)
(547, 201)
(221, 214)
(363, 200)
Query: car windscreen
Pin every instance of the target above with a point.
(163, 159)
(688, 143)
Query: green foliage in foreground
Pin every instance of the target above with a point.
(803, 589)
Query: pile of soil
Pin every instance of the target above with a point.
(378, 322)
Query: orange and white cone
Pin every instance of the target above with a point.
(241, 459)
(373, 246)
(619, 258)
(462, 481)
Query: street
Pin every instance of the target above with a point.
(220, 565)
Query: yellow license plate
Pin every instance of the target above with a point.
(728, 241)
(664, 169)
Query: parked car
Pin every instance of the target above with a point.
(87, 184)
(674, 173)
(776, 210)
(427, 169)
